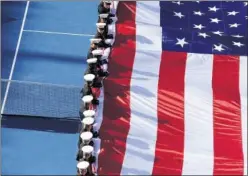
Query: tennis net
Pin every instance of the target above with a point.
(40, 99)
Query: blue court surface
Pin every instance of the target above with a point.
(40, 122)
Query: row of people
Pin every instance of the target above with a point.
(96, 72)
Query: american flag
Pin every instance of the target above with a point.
(205, 27)
(175, 102)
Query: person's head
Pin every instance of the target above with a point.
(96, 42)
(89, 79)
(88, 123)
(97, 53)
(100, 30)
(87, 151)
(87, 99)
(88, 127)
(107, 4)
(86, 137)
(82, 167)
(102, 20)
(92, 64)
(93, 45)
(103, 17)
(89, 113)
(101, 27)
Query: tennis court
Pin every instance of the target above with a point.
(44, 45)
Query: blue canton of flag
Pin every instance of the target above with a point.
(205, 27)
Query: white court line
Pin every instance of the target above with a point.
(15, 56)
(59, 33)
(40, 83)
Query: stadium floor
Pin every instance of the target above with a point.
(50, 52)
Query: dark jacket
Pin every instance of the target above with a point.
(91, 69)
(80, 156)
(107, 20)
(102, 9)
(95, 134)
(82, 109)
(90, 55)
(86, 90)
(80, 144)
(103, 36)
(87, 174)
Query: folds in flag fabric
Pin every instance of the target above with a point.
(175, 102)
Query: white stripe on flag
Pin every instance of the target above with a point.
(198, 140)
(141, 140)
(148, 12)
(114, 6)
(243, 98)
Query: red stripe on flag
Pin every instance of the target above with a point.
(170, 135)
(116, 112)
(228, 154)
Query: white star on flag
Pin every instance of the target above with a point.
(245, 3)
(213, 9)
(218, 48)
(178, 14)
(238, 36)
(177, 2)
(232, 13)
(204, 35)
(181, 42)
(198, 26)
(218, 33)
(214, 20)
(238, 44)
(235, 25)
(198, 13)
